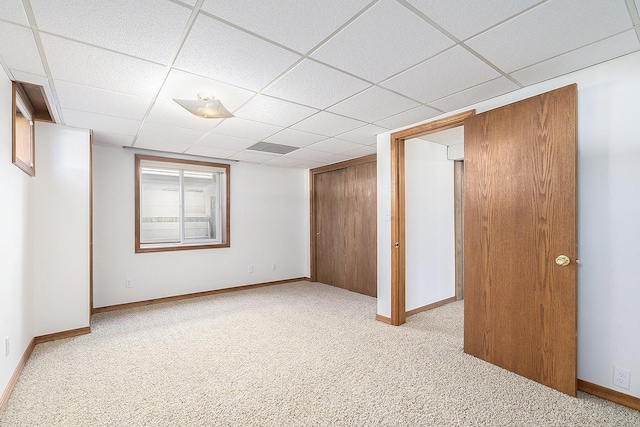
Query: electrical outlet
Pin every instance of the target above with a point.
(621, 377)
(250, 268)
(273, 266)
(128, 283)
(6, 346)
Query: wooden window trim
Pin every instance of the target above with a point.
(182, 247)
(18, 92)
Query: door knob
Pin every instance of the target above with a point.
(563, 260)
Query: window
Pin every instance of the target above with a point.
(180, 204)
(23, 154)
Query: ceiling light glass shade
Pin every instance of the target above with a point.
(206, 107)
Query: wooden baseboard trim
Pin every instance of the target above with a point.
(608, 394)
(194, 295)
(383, 319)
(16, 374)
(62, 335)
(430, 306)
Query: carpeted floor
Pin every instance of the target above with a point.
(300, 354)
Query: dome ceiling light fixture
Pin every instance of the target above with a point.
(206, 106)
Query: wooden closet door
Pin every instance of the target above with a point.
(345, 223)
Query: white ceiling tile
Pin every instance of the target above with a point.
(366, 135)
(315, 156)
(253, 156)
(156, 136)
(100, 122)
(478, 93)
(369, 46)
(449, 72)
(295, 138)
(312, 165)
(286, 162)
(224, 53)
(550, 29)
(148, 29)
(91, 66)
(13, 11)
(373, 104)
(334, 145)
(274, 111)
(310, 21)
(451, 136)
(362, 151)
(464, 18)
(226, 142)
(415, 115)
(327, 124)
(109, 138)
(601, 51)
(316, 85)
(21, 53)
(172, 114)
(35, 79)
(248, 129)
(100, 101)
(183, 85)
(203, 150)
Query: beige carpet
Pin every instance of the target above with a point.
(301, 354)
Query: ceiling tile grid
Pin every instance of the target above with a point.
(277, 20)
(323, 77)
(22, 54)
(221, 52)
(147, 29)
(87, 65)
(554, 27)
(373, 104)
(13, 11)
(316, 85)
(327, 124)
(454, 70)
(368, 47)
(464, 18)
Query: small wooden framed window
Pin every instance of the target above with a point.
(23, 131)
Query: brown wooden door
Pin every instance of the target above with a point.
(519, 215)
(345, 224)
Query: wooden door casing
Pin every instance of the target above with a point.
(344, 221)
(519, 215)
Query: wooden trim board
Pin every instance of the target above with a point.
(398, 249)
(62, 335)
(430, 306)
(608, 394)
(194, 295)
(16, 374)
(383, 319)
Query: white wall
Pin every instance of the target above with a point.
(15, 292)
(384, 224)
(429, 224)
(59, 222)
(269, 224)
(608, 206)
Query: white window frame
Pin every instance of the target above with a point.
(182, 166)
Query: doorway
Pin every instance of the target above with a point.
(433, 219)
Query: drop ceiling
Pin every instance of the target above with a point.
(324, 76)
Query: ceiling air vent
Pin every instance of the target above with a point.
(268, 147)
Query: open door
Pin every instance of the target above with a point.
(519, 219)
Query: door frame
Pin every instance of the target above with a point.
(398, 188)
(312, 207)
